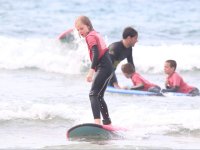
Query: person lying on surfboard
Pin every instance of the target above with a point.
(174, 82)
(122, 49)
(101, 68)
(67, 36)
(139, 83)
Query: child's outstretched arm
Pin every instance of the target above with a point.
(172, 89)
(137, 87)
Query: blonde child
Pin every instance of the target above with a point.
(100, 71)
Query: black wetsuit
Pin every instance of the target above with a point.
(103, 67)
(119, 52)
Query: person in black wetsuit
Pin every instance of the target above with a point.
(122, 49)
(100, 71)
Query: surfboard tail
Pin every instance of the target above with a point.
(114, 128)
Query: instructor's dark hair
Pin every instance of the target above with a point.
(129, 31)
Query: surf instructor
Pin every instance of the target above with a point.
(120, 50)
(100, 71)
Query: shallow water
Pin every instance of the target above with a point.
(37, 108)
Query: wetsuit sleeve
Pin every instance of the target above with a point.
(130, 59)
(173, 89)
(112, 52)
(112, 57)
(95, 56)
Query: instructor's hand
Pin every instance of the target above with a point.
(90, 75)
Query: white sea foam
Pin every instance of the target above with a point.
(52, 56)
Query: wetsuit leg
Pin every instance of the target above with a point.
(194, 92)
(113, 79)
(95, 106)
(100, 81)
(104, 111)
(96, 95)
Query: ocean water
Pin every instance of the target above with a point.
(43, 91)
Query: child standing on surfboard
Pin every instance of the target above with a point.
(101, 68)
(174, 82)
(138, 81)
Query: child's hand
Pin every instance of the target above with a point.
(163, 90)
(125, 87)
(166, 83)
(90, 75)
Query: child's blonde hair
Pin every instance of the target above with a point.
(84, 20)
